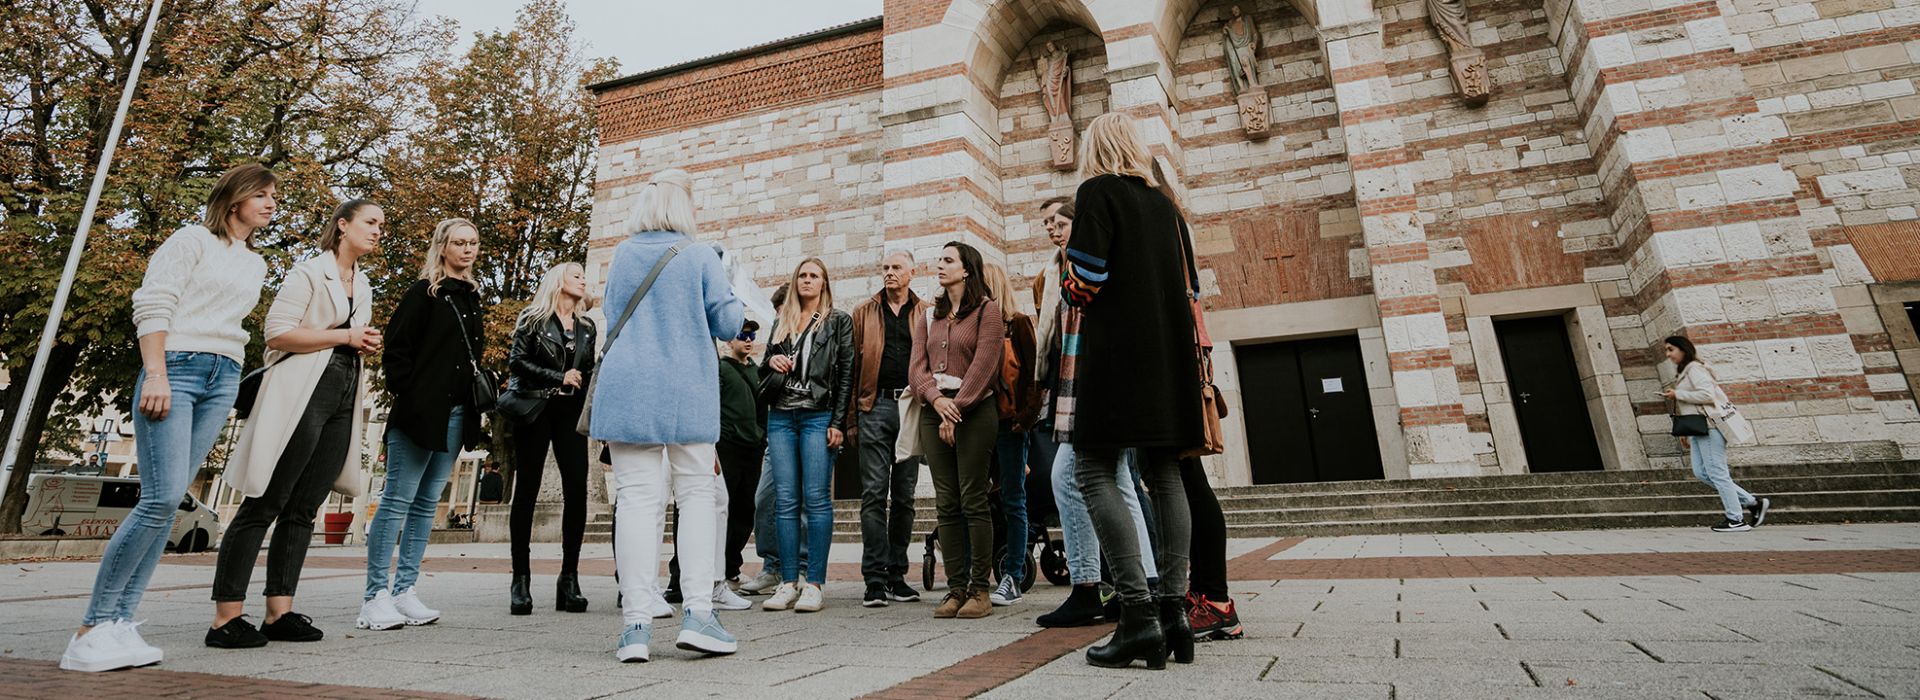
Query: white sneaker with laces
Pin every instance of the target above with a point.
(658, 607)
(100, 649)
(380, 614)
(760, 585)
(810, 598)
(410, 607)
(783, 597)
(1007, 593)
(144, 654)
(725, 599)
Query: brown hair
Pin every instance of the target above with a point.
(1066, 206)
(973, 293)
(235, 186)
(330, 236)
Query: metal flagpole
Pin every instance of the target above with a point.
(34, 376)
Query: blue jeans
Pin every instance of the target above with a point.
(802, 471)
(415, 478)
(1709, 454)
(171, 449)
(1010, 450)
(1076, 525)
(766, 543)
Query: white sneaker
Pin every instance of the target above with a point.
(100, 649)
(725, 599)
(658, 607)
(810, 598)
(417, 613)
(380, 614)
(760, 585)
(144, 654)
(783, 597)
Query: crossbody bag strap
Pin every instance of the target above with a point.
(641, 293)
(464, 340)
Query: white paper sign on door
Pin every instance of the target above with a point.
(1331, 385)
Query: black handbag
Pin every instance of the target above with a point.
(250, 389)
(524, 407)
(486, 385)
(1690, 426)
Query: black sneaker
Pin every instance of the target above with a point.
(1732, 526)
(900, 592)
(876, 596)
(1109, 602)
(1081, 608)
(238, 633)
(672, 595)
(1757, 513)
(293, 627)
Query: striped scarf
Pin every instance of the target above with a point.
(1069, 362)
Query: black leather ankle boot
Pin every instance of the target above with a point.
(520, 595)
(567, 598)
(1137, 637)
(1173, 624)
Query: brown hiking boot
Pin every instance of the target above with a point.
(951, 605)
(977, 606)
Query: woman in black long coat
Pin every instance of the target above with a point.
(1134, 381)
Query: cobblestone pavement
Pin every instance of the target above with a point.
(1787, 611)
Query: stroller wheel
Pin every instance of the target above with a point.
(929, 564)
(1053, 563)
(1031, 572)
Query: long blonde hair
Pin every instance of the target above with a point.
(546, 300)
(666, 204)
(1113, 147)
(432, 270)
(1001, 287)
(790, 322)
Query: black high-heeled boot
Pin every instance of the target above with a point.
(1174, 624)
(567, 596)
(1137, 637)
(520, 595)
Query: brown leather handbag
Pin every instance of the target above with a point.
(1212, 406)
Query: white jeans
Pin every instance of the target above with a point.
(643, 475)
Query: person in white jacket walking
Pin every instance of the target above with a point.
(1695, 392)
(303, 430)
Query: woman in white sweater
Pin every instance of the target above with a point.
(1695, 392)
(303, 431)
(199, 286)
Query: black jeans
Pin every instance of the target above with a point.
(886, 495)
(314, 455)
(962, 476)
(1207, 555)
(554, 427)
(740, 468)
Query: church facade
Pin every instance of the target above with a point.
(1436, 238)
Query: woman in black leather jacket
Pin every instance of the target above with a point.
(809, 375)
(551, 362)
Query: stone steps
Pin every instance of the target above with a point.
(1802, 493)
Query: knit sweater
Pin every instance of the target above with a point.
(198, 289)
(660, 379)
(969, 348)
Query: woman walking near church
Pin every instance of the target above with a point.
(200, 285)
(1696, 392)
(303, 429)
(550, 364)
(432, 341)
(657, 404)
(957, 348)
(1136, 381)
(811, 352)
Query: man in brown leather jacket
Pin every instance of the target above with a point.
(882, 342)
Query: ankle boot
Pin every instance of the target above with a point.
(520, 595)
(1173, 624)
(1137, 637)
(567, 597)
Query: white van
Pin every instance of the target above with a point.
(93, 506)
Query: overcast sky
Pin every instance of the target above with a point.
(648, 34)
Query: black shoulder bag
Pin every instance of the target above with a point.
(486, 385)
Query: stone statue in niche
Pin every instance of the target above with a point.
(1467, 63)
(1056, 95)
(1242, 45)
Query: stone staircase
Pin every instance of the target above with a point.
(1801, 493)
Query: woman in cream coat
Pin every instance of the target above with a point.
(1695, 392)
(302, 439)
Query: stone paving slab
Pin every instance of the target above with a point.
(1771, 538)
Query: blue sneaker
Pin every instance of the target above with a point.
(633, 643)
(702, 632)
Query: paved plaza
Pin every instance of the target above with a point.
(1784, 611)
